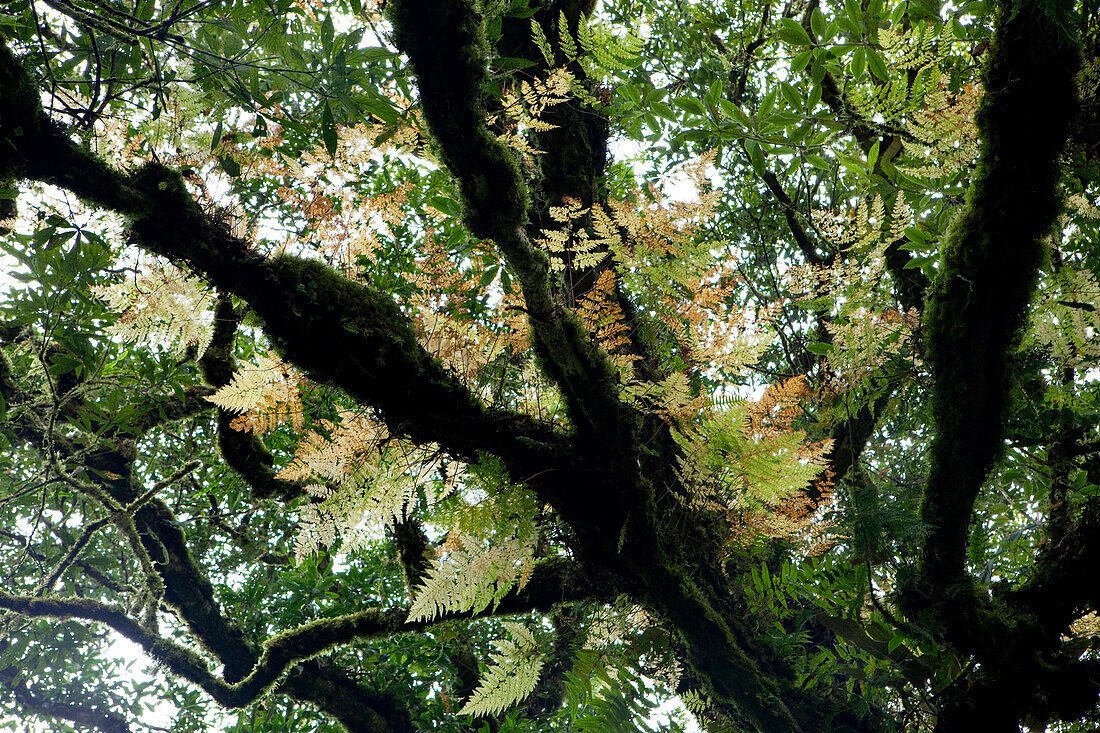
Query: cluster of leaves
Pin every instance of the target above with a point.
(733, 378)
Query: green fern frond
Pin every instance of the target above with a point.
(565, 38)
(511, 677)
(540, 39)
(608, 51)
(472, 577)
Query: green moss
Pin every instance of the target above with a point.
(976, 309)
(447, 47)
(20, 114)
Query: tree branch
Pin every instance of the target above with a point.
(977, 306)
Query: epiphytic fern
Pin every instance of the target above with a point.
(861, 236)
(461, 345)
(491, 546)
(735, 464)
(163, 306)
(865, 340)
(511, 677)
(473, 575)
(937, 118)
(603, 50)
(523, 105)
(604, 319)
(370, 478)
(944, 130)
(571, 246)
(265, 395)
(1066, 316)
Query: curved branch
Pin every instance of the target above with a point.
(977, 306)
(243, 451)
(551, 584)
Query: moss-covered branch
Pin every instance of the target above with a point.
(446, 44)
(551, 584)
(990, 263)
(243, 451)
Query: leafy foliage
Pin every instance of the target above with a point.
(520, 366)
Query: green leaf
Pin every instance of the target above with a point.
(799, 62)
(817, 23)
(793, 33)
(791, 95)
(858, 64)
(327, 31)
(691, 105)
(216, 138)
(854, 11)
(328, 130)
(229, 165)
(877, 65)
(819, 348)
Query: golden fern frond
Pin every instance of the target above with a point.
(779, 406)
(571, 246)
(461, 345)
(371, 479)
(358, 507)
(270, 385)
(604, 319)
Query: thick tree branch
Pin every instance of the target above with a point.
(337, 331)
(991, 257)
(447, 48)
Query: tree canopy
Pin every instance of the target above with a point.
(533, 365)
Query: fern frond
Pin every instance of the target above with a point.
(473, 576)
(565, 38)
(608, 51)
(540, 39)
(511, 677)
(162, 306)
(266, 386)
